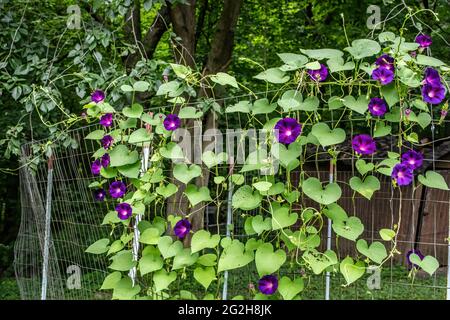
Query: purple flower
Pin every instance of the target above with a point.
(182, 228)
(407, 112)
(107, 141)
(97, 96)
(413, 54)
(383, 75)
(117, 189)
(377, 107)
(433, 94)
(402, 174)
(432, 77)
(408, 255)
(172, 122)
(364, 144)
(106, 120)
(124, 211)
(105, 160)
(412, 158)
(287, 130)
(424, 40)
(99, 195)
(385, 61)
(320, 74)
(444, 113)
(268, 284)
(96, 167)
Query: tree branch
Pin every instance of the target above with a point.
(132, 27)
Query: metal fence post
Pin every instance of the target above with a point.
(328, 275)
(229, 222)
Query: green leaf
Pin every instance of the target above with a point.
(350, 228)
(162, 279)
(168, 247)
(189, 113)
(321, 54)
(196, 195)
(181, 71)
(224, 79)
(423, 119)
(171, 151)
(241, 106)
(207, 260)
(362, 48)
(338, 64)
(184, 258)
(203, 239)
(210, 159)
(205, 276)
(364, 167)
(115, 247)
(282, 217)
(124, 289)
(120, 155)
(335, 103)
(428, 61)
(351, 270)
(387, 36)
(387, 234)
(140, 135)
(312, 187)
(150, 236)
(168, 87)
(262, 186)
(390, 94)
(409, 77)
(258, 224)
(318, 261)
(131, 170)
(134, 112)
(150, 261)
(99, 246)
(267, 261)
(111, 280)
(167, 190)
(273, 75)
(294, 61)
(326, 136)
(246, 199)
(287, 156)
(262, 106)
(95, 135)
(141, 86)
(361, 105)
(367, 187)
(290, 100)
(375, 252)
(429, 264)
(122, 261)
(381, 130)
(183, 173)
(433, 179)
(233, 256)
(290, 288)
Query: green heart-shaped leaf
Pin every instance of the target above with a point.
(350, 228)
(196, 195)
(312, 187)
(183, 173)
(287, 156)
(361, 105)
(290, 288)
(352, 271)
(320, 261)
(267, 261)
(433, 179)
(205, 276)
(281, 216)
(362, 48)
(290, 100)
(172, 151)
(184, 258)
(364, 167)
(233, 256)
(375, 252)
(429, 264)
(263, 106)
(121, 156)
(168, 247)
(167, 190)
(134, 112)
(150, 261)
(189, 113)
(259, 224)
(423, 119)
(162, 279)
(122, 261)
(210, 159)
(326, 136)
(367, 187)
(203, 239)
(246, 199)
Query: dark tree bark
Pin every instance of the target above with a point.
(132, 28)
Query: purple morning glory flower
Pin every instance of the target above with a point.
(106, 120)
(96, 167)
(432, 77)
(105, 160)
(412, 158)
(99, 195)
(287, 130)
(385, 61)
(124, 211)
(268, 284)
(97, 96)
(364, 144)
(402, 174)
(424, 40)
(117, 189)
(444, 113)
(182, 228)
(172, 122)
(383, 75)
(409, 253)
(320, 74)
(377, 107)
(433, 94)
(107, 141)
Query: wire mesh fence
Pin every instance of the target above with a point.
(76, 222)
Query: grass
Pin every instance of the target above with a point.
(394, 285)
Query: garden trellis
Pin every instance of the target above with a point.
(324, 206)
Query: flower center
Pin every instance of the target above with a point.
(431, 93)
(400, 174)
(288, 132)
